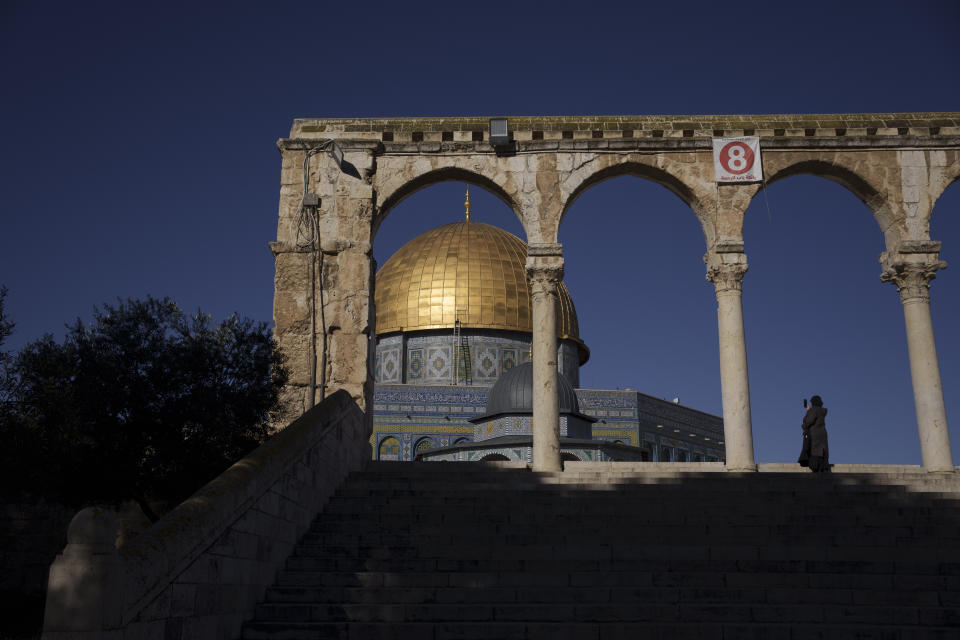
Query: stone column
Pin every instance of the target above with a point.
(725, 269)
(544, 273)
(912, 275)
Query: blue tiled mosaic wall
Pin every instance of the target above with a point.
(570, 426)
(437, 416)
(427, 358)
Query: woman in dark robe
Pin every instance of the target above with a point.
(815, 431)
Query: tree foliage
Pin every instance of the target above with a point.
(6, 382)
(145, 403)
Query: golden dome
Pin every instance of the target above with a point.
(469, 271)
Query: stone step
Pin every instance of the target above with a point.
(335, 595)
(593, 565)
(654, 493)
(566, 481)
(590, 631)
(647, 484)
(470, 551)
(560, 508)
(722, 612)
(716, 554)
(438, 525)
(870, 613)
(807, 486)
(787, 575)
(873, 536)
(939, 525)
(648, 509)
(665, 474)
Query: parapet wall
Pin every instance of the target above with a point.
(200, 570)
(473, 129)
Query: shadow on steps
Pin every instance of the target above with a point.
(473, 551)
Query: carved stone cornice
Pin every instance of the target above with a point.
(911, 274)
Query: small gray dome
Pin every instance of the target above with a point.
(513, 393)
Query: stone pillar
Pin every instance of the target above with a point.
(339, 307)
(85, 593)
(912, 273)
(725, 269)
(544, 273)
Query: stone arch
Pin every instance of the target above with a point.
(780, 166)
(391, 198)
(942, 180)
(681, 186)
(494, 457)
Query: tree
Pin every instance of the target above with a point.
(6, 382)
(145, 403)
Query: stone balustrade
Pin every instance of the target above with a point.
(200, 570)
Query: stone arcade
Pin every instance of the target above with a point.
(898, 165)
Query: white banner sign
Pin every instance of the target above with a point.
(737, 159)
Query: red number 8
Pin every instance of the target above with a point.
(736, 157)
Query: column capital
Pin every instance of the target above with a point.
(544, 268)
(726, 270)
(726, 265)
(911, 273)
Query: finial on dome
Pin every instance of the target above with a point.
(467, 204)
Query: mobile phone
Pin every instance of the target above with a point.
(804, 403)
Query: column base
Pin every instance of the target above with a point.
(943, 471)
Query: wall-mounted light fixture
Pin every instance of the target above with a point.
(336, 151)
(499, 132)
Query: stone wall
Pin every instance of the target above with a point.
(200, 570)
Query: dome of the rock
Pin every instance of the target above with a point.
(469, 271)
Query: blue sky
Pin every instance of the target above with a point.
(138, 158)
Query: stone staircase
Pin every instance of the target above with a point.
(467, 550)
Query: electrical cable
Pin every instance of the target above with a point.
(318, 258)
(766, 200)
(305, 231)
